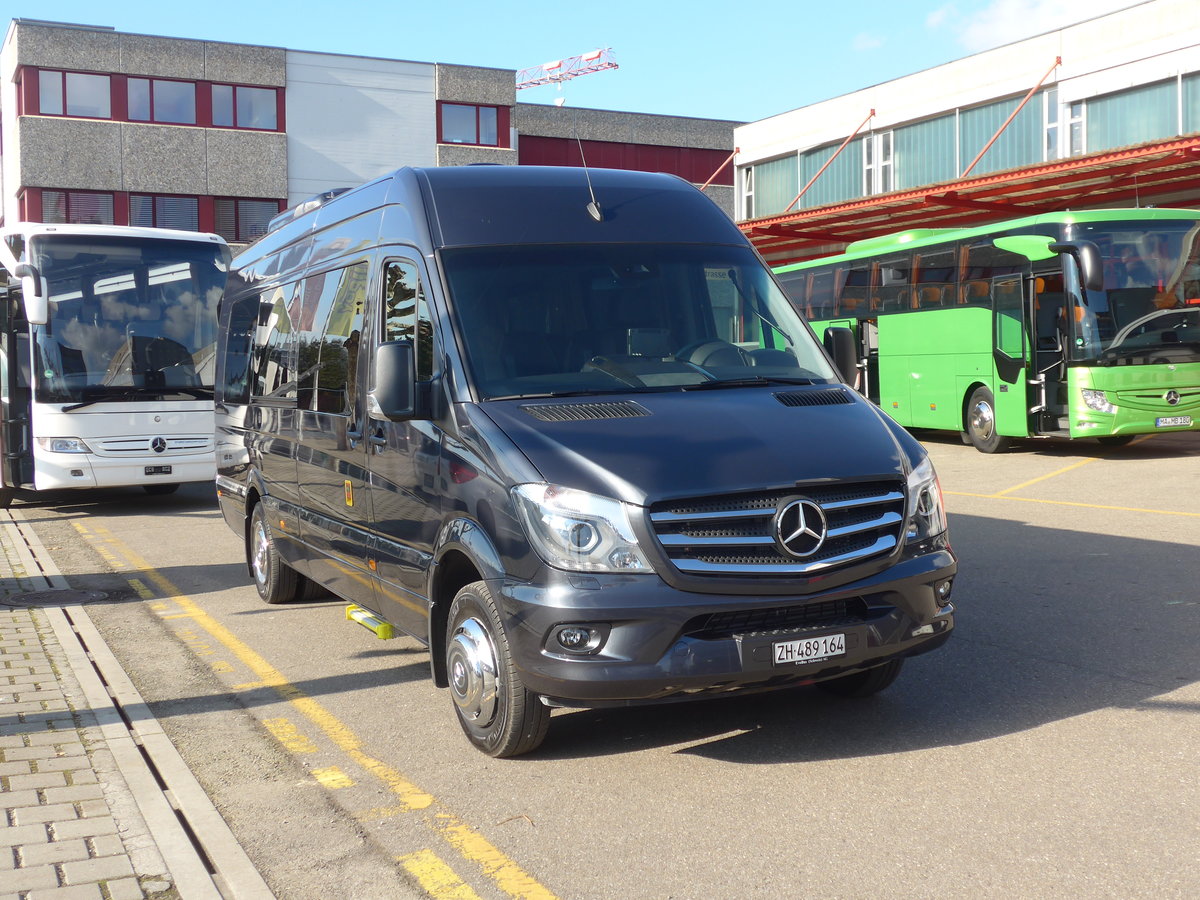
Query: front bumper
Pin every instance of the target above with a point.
(664, 644)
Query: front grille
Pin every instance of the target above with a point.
(141, 445)
(579, 412)
(826, 614)
(734, 534)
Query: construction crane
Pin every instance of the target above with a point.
(561, 70)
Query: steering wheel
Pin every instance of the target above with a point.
(709, 353)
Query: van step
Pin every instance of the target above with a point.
(368, 620)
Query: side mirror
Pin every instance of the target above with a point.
(34, 293)
(394, 397)
(840, 344)
(1087, 257)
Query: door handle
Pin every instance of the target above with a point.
(378, 440)
(353, 435)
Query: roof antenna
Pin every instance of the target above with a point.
(593, 208)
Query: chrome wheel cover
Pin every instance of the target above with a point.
(260, 556)
(983, 420)
(471, 667)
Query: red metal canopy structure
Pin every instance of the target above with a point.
(1160, 173)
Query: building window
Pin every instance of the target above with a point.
(77, 207)
(748, 191)
(74, 94)
(459, 123)
(1076, 125)
(156, 100)
(1050, 120)
(244, 220)
(148, 211)
(235, 106)
(877, 163)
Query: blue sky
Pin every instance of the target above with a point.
(721, 60)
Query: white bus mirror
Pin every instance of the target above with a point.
(34, 293)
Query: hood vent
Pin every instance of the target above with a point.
(580, 412)
(824, 397)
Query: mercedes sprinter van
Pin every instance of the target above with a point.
(563, 427)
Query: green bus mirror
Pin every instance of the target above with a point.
(1033, 247)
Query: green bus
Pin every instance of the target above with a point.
(1070, 324)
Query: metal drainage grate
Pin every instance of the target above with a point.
(55, 598)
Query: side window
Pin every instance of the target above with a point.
(328, 312)
(274, 347)
(406, 313)
(237, 329)
(855, 299)
(999, 276)
(937, 280)
(892, 291)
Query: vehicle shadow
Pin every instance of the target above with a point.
(1051, 624)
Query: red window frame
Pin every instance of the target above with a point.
(29, 78)
(238, 236)
(503, 117)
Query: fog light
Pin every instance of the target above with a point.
(942, 591)
(579, 639)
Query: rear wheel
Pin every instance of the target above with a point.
(865, 683)
(276, 581)
(981, 423)
(497, 713)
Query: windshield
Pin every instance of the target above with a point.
(600, 318)
(130, 318)
(1149, 310)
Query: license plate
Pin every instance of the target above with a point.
(158, 470)
(806, 650)
(1173, 422)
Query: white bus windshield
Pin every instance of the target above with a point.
(129, 319)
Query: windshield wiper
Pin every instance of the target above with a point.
(750, 381)
(548, 395)
(106, 394)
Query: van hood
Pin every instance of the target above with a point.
(646, 447)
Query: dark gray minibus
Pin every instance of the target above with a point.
(563, 427)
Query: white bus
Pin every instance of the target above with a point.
(107, 340)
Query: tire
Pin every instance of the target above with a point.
(497, 714)
(981, 423)
(6, 497)
(276, 581)
(160, 490)
(865, 683)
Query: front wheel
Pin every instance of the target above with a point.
(276, 581)
(865, 683)
(497, 713)
(981, 423)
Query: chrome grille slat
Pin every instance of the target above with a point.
(734, 534)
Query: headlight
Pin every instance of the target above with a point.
(1098, 401)
(64, 445)
(578, 531)
(926, 513)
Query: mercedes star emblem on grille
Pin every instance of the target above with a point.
(158, 445)
(1172, 398)
(800, 527)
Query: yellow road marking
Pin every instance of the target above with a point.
(506, 874)
(289, 735)
(1054, 474)
(437, 878)
(1156, 512)
(332, 777)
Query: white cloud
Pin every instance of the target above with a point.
(1003, 21)
(863, 42)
